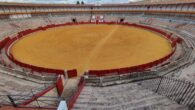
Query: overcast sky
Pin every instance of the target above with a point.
(69, 1)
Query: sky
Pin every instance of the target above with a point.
(70, 1)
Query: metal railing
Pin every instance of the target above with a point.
(41, 102)
(180, 91)
(40, 77)
(20, 97)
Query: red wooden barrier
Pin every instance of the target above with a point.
(142, 67)
(73, 73)
(59, 85)
(4, 42)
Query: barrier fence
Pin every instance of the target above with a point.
(4, 42)
(142, 67)
(27, 98)
(33, 68)
(34, 98)
(112, 79)
(59, 85)
(71, 73)
(43, 102)
(180, 91)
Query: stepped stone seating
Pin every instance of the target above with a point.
(59, 19)
(133, 18)
(129, 96)
(24, 73)
(179, 90)
(6, 29)
(111, 17)
(11, 27)
(184, 56)
(126, 96)
(189, 28)
(119, 78)
(82, 17)
(10, 85)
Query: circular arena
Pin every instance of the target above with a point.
(131, 56)
(103, 47)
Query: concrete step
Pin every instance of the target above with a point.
(123, 97)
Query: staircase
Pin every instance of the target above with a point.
(129, 96)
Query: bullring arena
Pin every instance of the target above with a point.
(132, 56)
(103, 47)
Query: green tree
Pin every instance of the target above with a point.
(78, 2)
(82, 3)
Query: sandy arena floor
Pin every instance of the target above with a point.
(90, 46)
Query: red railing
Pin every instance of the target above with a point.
(92, 72)
(38, 95)
(76, 94)
(4, 42)
(32, 67)
(71, 73)
(59, 85)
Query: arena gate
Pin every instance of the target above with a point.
(97, 18)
